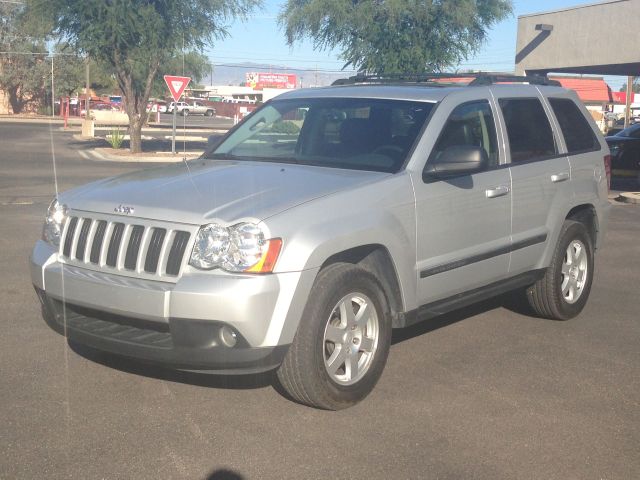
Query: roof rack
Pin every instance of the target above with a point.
(440, 79)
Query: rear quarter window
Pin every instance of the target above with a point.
(528, 129)
(577, 132)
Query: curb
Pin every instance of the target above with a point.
(105, 155)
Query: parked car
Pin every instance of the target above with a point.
(299, 241)
(156, 106)
(176, 105)
(625, 151)
(197, 108)
(103, 106)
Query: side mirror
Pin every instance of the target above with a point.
(457, 160)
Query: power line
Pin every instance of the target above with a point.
(48, 54)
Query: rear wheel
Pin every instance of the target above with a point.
(563, 291)
(342, 343)
(209, 113)
(185, 112)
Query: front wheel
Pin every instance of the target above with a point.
(563, 291)
(342, 342)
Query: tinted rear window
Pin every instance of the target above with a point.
(577, 133)
(528, 128)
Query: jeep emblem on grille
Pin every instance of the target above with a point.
(124, 209)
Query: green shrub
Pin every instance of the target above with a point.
(286, 126)
(115, 138)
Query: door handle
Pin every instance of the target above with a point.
(497, 191)
(559, 177)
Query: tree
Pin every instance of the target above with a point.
(23, 65)
(69, 70)
(394, 36)
(135, 37)
(635, 86)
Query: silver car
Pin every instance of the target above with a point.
(324, 220)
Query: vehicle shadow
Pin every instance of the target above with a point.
(204, 379)
(511, 301)
(224, 474)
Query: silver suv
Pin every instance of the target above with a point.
(324, 220)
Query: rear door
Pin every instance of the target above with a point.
(540, 175)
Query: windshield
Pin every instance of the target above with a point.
(361, 134)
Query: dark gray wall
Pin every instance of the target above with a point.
(601, 38)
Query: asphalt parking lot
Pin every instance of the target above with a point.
(483, 393)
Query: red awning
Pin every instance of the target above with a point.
(621, 97)
(588, 89)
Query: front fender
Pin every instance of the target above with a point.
(381, 213)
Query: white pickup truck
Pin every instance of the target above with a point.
(193, 108)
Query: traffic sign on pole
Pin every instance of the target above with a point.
(176, 85)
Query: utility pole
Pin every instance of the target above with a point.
(87, 123)
(627, 111)
(86, 97)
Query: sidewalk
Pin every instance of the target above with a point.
(75, 124)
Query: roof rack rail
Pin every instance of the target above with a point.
(476, 79)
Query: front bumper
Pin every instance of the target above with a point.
(176, 324)
(180, 344)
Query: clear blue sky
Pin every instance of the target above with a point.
(261, 40)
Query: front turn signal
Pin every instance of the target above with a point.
(268, 260)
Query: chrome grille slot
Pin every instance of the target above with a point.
(98, 240)
(114, 244)
(81, 246)
(153, 252)
(141, 248)
(135, 239)
(68, 241)
(176, 253)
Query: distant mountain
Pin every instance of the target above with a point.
(234, 74)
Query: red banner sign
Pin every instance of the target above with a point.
(260, 80)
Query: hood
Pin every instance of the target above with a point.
(210, 190)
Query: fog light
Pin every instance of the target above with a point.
(228, 336)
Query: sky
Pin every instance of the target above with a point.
(261, 40)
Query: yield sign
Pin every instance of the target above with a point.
(176, 85)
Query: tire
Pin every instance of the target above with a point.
(184, 113)
(563, 291)
(318, 368)
(208, 113)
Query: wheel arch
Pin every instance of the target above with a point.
(587, 215)
(376, 259)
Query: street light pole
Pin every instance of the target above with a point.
(53, 95)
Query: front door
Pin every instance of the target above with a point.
(463, 222)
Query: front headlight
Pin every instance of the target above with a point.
(240, 248)
(53, 223)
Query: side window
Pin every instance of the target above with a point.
(470, 124)
(577, 132)
(528, 128)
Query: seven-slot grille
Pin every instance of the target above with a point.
(130, 248)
